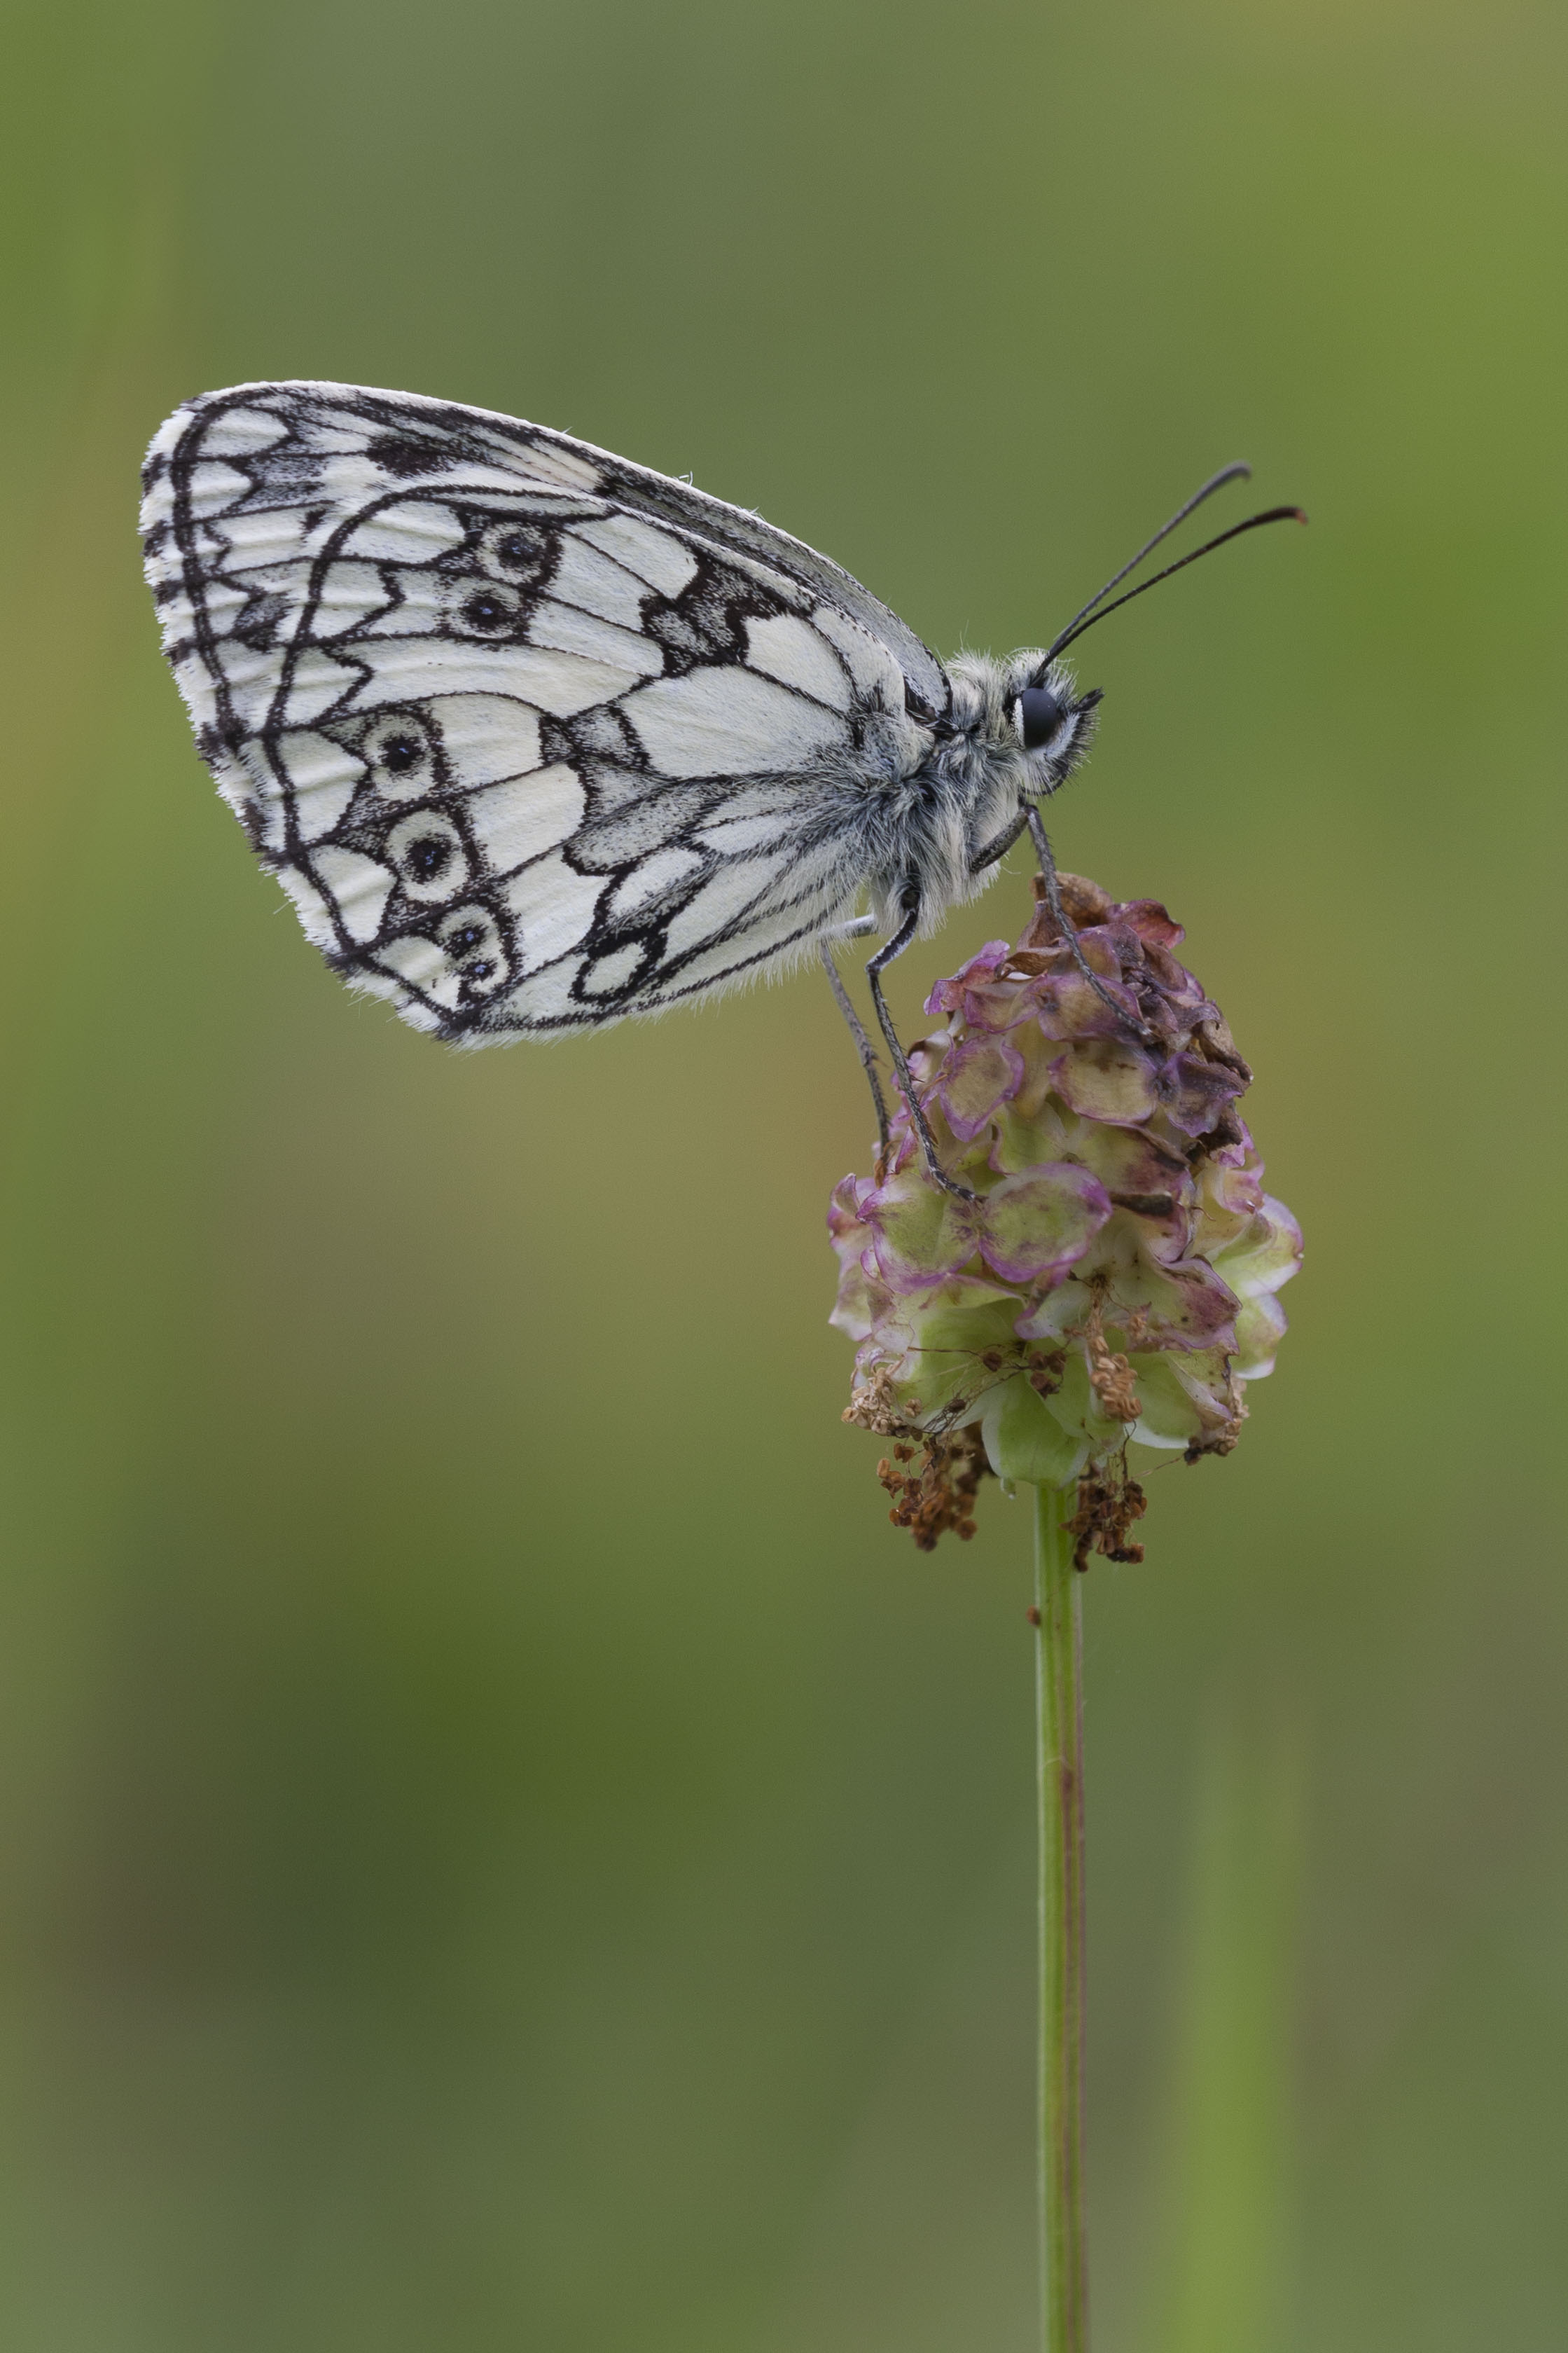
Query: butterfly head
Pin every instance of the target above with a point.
(1049, 720)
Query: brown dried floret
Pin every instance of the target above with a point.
(1110, 1503)
(939, 1494)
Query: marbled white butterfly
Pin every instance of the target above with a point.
(534, 738)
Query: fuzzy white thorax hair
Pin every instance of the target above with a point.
(965, 783)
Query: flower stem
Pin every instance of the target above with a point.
(1064, 2285)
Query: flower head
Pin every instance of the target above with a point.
(1114, 1279)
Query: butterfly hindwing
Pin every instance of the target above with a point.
(531, 737)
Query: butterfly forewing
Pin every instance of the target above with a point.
(531, 737)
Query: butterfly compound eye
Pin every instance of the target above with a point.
(1037, 715)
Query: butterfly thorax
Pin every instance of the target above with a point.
(973, 782)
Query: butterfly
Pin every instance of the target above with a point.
(535, 738)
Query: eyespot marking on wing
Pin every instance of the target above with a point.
(402, 752)
(517, 550)
(429, 858)
(472, 940)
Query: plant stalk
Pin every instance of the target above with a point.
(1064, 2282)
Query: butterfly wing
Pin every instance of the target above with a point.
(532, 737)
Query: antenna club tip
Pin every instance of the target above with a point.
(1301, 514)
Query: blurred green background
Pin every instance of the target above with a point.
(502, 1846)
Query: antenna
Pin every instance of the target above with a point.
(1096, 608)
(1270, 515)
(1238, 473)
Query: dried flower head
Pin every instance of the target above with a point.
(1114, 1281)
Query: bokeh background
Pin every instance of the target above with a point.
(502, 1846)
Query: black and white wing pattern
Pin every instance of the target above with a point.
(533, 738)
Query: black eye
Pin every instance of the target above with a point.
(487, 611)
(401, 754)
(427, 857)
(1037, 715)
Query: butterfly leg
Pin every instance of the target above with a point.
(1036, 826)
(863, 1047)
(874, 971)
(1000, 845)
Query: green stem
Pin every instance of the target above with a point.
(1064, 2285)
